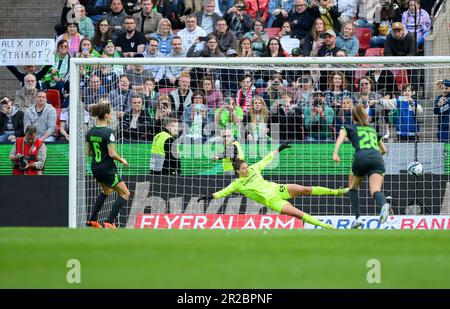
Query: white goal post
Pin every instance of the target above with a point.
(431, 68)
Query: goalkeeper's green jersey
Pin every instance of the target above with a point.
(254, 186)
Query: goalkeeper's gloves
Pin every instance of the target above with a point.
(284, 145)
(205, 197)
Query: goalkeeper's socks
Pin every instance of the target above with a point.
(354, 201)
(98, 205)
(118, 204)
(379, 198)
(323, 191)
(311, 220)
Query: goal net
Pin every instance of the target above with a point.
(258, 102)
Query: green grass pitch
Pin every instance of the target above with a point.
(37, 258)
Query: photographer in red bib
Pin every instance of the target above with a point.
(28, 154)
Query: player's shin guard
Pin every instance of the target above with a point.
(98, 205)
(311, 220)
(379, 198)
(118, 204)
(354, 201)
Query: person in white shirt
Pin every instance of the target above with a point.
(191, 32)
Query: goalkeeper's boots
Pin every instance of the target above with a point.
(385, 211)
(94, 224)
(108, 225)
(342, 191)
(357, 223)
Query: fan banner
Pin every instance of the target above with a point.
(27, 51)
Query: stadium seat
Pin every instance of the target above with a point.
(58, 121)
(378, 51)
(363, 35)
(272, 32)
(166, 90)
(54, 98)
(401, 78)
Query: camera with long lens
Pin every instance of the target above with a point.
(317, 102)
(22, 161)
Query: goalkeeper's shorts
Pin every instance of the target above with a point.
(279, 199)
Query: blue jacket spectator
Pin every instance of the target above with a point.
(347, 41)
(279, 12)
(442, 109)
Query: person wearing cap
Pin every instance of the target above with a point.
(329, 49)
(399, 42)
(28, 153)
(389, 13)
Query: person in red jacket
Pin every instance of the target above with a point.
(28, 154)
(257, 9)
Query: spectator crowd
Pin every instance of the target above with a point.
(298, 104)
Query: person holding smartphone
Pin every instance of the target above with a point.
(11, 121)
(229, 115)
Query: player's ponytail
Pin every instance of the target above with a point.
(359, 115)
(100, 109)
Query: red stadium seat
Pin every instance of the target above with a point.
(54, 98)
(273, 32)
(58, 121)
(358, 75)
(363, 35)
(166, 90)
(378, 51)
(401, 78)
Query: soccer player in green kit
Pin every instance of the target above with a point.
(368, 160)
(251, 184)
(100, 146)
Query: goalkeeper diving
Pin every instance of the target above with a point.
(251, 184)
